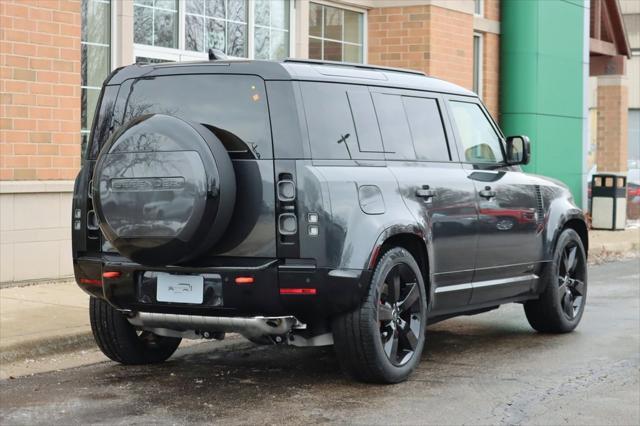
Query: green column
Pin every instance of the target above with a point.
(542, 84)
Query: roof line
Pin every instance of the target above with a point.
(352, 65)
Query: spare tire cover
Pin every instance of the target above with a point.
(164, 190)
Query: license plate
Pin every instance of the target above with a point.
(179, 288)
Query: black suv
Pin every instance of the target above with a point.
(310, 203)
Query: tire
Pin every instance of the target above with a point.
(120, 341)
(364, 339)
(561, 305)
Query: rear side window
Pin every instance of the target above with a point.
(234, 107)
(394, 127)
(341, 122)
(427, 131)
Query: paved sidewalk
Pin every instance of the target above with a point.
(45, 319)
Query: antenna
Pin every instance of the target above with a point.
(215, 55)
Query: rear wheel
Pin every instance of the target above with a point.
(560, 307)
(382, 340)
(121, 342)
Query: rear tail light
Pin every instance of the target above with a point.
(111, 274)
(287, 224)
(244, 280)
(90, 281)
(298, 291)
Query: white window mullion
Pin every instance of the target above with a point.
(250, 22)
(182, 25)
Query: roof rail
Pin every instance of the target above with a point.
(352, 65)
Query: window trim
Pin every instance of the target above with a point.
(365, 30)
(181, 54)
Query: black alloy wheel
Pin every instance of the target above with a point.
(400, 314)
(560, 306)
(382, 340)
(571, 285)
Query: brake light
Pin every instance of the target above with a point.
(244, 280)
(111, 274)
(299, 291)
(90, 281)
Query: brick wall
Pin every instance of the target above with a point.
(491, 61)
(432, 39)
(491, 73)
(612, 145)
(492, 9)
(39, 89)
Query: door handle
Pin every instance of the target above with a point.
(487, 192)
(425, 192)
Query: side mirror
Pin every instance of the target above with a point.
(518, 150)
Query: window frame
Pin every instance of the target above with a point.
(181, 53)
(365, 34)
(114, 35)
(458, 140)
(479, 3)
(480, 75)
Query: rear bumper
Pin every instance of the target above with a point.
(271, 293)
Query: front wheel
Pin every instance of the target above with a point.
(121, 342)
(560, 307)
(382, 340)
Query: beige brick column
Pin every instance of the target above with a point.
(612, 143)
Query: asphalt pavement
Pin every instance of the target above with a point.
(486, 369)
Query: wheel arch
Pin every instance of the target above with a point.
(411, 239)
(580, 227)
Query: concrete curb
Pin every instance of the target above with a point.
(54, 345)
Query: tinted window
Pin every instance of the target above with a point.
(427, 131)
(394, 127)
(332, 112)
(364, 117)
(233, 106)
(479, 141)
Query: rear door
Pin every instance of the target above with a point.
(509, 238)
(434, 187)
(234, 108)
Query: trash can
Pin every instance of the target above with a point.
(608, 201)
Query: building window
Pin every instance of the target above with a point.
(155, 22)
(95, 47)
(217, 24)
(478, 7)
(335, 34)
(271, 29)
(189, 28)
(477, 63)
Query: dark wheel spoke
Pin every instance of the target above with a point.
(579, 287)
(567, 304)
(393, 286)
(391, 346)
(385, 312)
(562, 290)
(571, 260)
(409, 337)
(411, 297)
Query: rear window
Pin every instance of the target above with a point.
(234, 107)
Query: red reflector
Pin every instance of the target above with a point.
(306, 291)
(90, 281)
(111, 274)
(244, 280)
